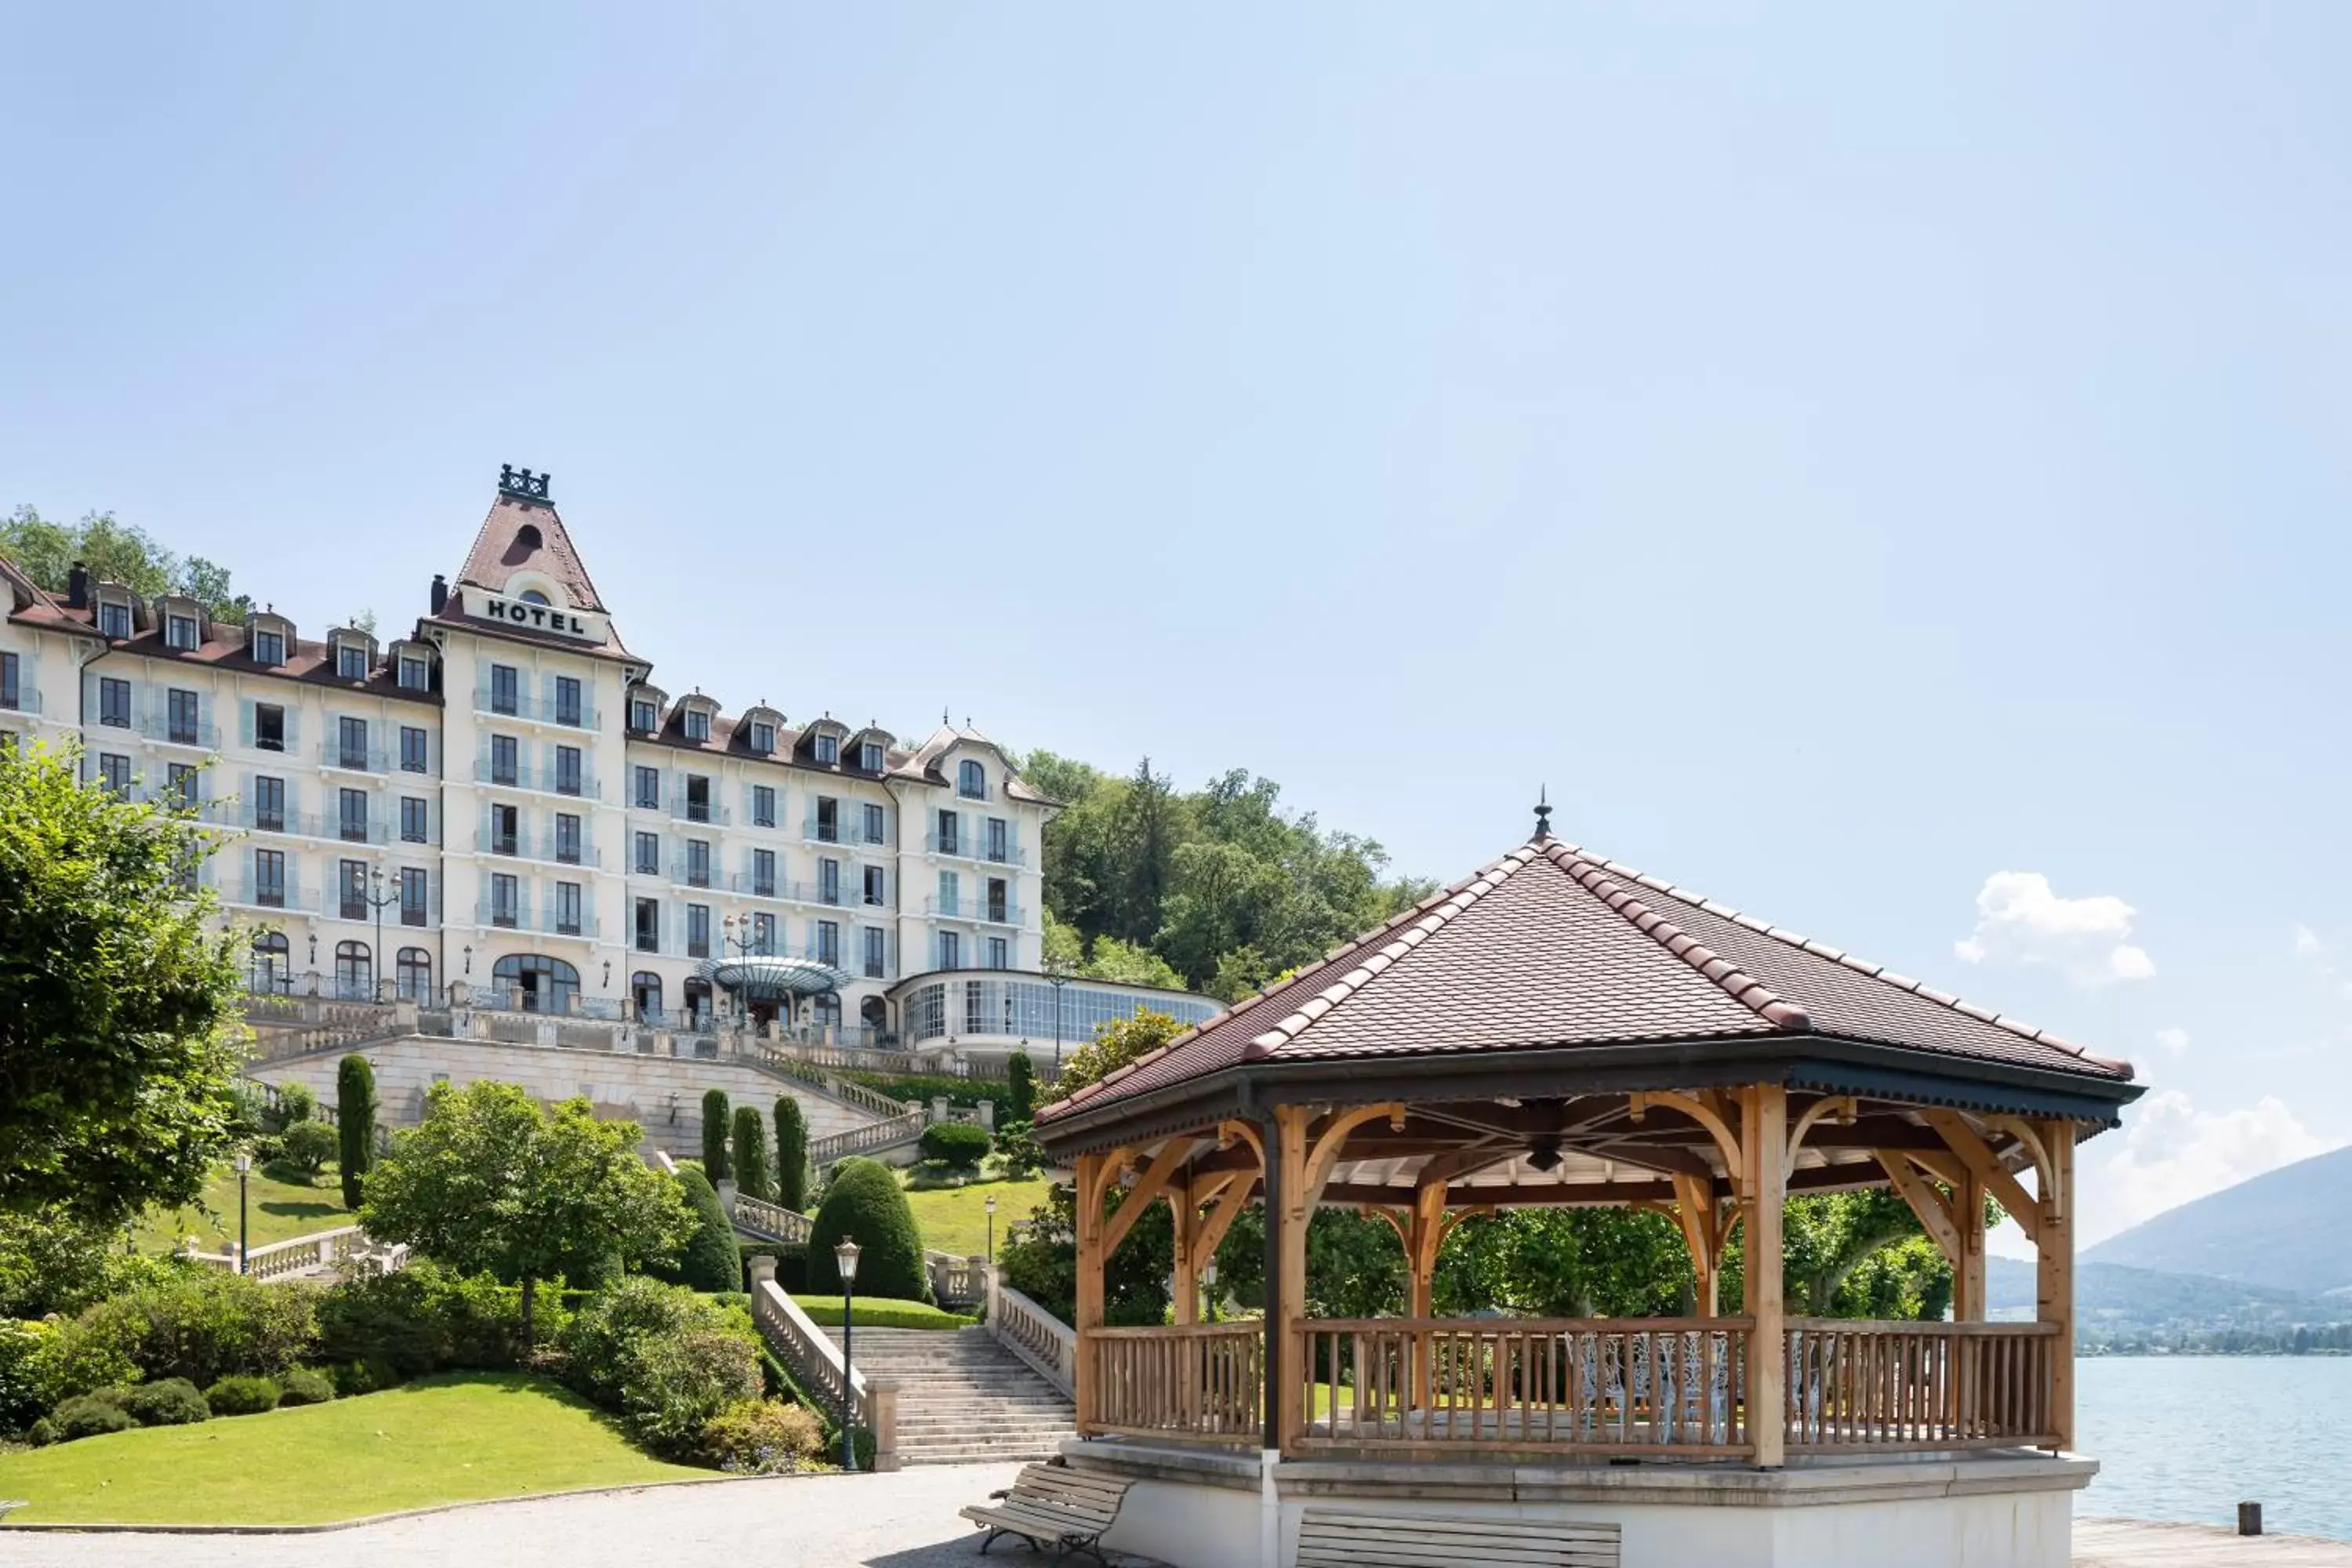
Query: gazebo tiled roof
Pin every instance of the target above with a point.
(1554, 945)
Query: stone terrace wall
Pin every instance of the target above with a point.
(640, 1088)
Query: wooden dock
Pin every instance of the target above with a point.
(2132, 1543)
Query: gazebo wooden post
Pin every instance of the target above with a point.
(1427, 1234)
(1181, 1199)
(1969, 1301)
(1764, 1145)
(1090, 1283)
(2055, 1273)
(1286, 1220)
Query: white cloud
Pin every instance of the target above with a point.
(2020, 921)
(2173, 1151)
(2307, 943)
(2174, 1041)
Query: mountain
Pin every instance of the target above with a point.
(2113, 1301)
(2282, 1230)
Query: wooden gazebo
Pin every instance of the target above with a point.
(1562, 1029)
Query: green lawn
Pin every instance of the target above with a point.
(278, 1211)
(953, 1221)
(458, 1438)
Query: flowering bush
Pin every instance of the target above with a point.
(762, 1438)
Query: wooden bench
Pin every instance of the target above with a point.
(1330, 1539)
(1053, 1506)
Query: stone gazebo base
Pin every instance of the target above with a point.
(1200, 1508)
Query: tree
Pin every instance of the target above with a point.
(1114, 1044)
(867, 1205)
(1020, 1087)
(710, 1261)
(747, 1153)
(792, 1153)
(119, 552)
(119, 1035)
(491, 1182)
(355, 1123)
(714, 1134)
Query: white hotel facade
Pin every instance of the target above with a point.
(502, 800)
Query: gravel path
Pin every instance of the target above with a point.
(903, 1520)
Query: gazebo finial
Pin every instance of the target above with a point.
(1543, 813)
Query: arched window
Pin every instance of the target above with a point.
(645, 989)
(972, 781)
(534, 982)
(273, 964)
(355, 972)
(415, 974)
(697, 1002)
(533, 596)
(875, 1014)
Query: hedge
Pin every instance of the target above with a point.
(959, 1144)
(714, 1134)
(867, 1205)
(880, 1312)
(710, 1261)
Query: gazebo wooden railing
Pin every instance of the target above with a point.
(1189, 1383)
(1892, 1387)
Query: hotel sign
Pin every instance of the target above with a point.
(541, 619)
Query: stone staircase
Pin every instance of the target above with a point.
(962, 1397)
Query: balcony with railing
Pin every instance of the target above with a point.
(332, 829)
(20, 696)
(520, 916)
(985, 912)
(335, 755)
(544, 847)
(540, 778)
(708, 812)
(976, 846)
(166, 730)
(535, 711)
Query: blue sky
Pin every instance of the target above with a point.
(1846, 455)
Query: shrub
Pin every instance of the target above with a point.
(747, 1151)
(172, 1402)
(41, 1432)
(304, 1386)
(90, 1415)
(710, 1261)
(610, 1326)
(1020, 1151)
(293, 1105)
(1020, 1088)
(356, 1110)
(426, 1317)
(663, 1358)
(792, 1153)
(959, 1144)
(308, 1146)
(353, 1378)
(25, 1374)
(762, 1438)
(196, 1324)
(242, 1395)
(714, 1135)
(865, 1204)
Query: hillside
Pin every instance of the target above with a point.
(2117, 1302)
(2281, 1229)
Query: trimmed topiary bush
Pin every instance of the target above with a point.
(792, 1155)
(747, 1152)
(714, 1135)
(710, 1261)
(355, 1123)
(243, 1395)
(1020, 1088)
(865, 1204)
(959, 1144)
(174, 1402)
(304, 1385)
(90, 1415)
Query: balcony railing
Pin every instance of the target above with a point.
(536, 710)
(161, 728)
(298, 824)
(980, 910)
(543, 847)
(540, 780)
(354, 759)
(708, 812)
(488, 912)
(24, 698)
(974, 847)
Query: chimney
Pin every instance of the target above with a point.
(440, 592)
(77, 587)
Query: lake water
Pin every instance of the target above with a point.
(2187, 1437)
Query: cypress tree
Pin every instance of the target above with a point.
(792, 1153)
(750, 1153)
(714, 1134)
(1021, 1093)
(355, 1123)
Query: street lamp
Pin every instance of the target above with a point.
(1057, 977)
(377, 898)
(845, 1257)
(244, 1164)
(989, 1204)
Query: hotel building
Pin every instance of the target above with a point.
(502, 806)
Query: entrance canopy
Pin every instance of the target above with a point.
(773, 979)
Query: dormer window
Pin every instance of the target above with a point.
(870, 756)
(763, 738)
(533, 596)
(697, 724)
(415, 675)
(972, 781)
(269, 649)
(351, 663)
(113, 619)
(644, 717)
(180, 632)
(828, 749)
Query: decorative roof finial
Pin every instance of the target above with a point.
(1543, 812)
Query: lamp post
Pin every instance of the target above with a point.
(244, 1164)
(377, 898)
(845, 1256)
(1057, 977)
(989, 1204)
